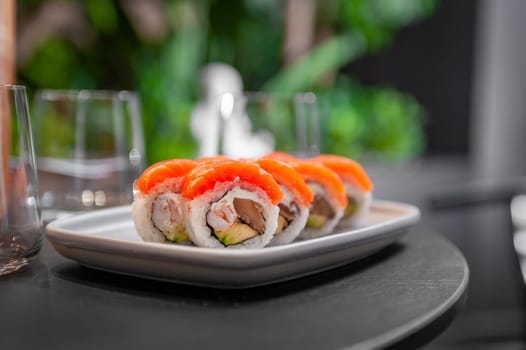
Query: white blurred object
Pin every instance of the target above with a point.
(518, 216)
(518, 211)
(498, 91)
(219, 122)
(216, 79)
(239, 140)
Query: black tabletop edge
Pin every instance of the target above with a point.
(426, 328)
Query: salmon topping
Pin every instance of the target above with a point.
(348, 170)
(288, 177)
(205, 176)
(160, 171)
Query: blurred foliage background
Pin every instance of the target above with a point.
(158, 48)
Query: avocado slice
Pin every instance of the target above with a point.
(352, 207)
(235, 234)
(282, 224)
(177, 233)
(316, 220)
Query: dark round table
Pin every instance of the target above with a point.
(400, 297)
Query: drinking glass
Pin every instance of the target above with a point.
(21, 229)
(256, 123)
(89, 149)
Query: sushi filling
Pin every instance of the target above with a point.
(320, 211)
(234, 220)
(167, 217)
(287, 214)
(352, 207)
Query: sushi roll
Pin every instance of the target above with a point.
(329, 198)
(158, 209)
(358, 187)
(294, 206)
(231, 204)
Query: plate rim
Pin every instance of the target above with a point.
(242, 260)
(56, 232)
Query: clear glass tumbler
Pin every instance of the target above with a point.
(21, 229)
(256, 123)
(89, 149)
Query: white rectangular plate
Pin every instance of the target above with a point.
(107, 240)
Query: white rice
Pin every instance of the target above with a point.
(142, 218)
(363, 202)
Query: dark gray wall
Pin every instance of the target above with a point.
(433, 61)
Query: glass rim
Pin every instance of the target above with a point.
(302, 96)
(12, 86)
(74, 94)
